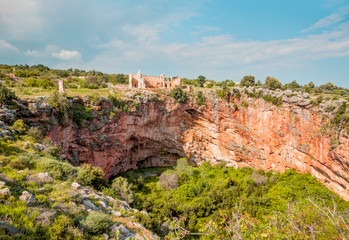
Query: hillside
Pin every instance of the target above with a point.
(254, 161)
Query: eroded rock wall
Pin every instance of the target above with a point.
(261, 136)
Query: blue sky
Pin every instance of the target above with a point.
(304, 40)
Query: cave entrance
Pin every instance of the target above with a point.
(145, 152)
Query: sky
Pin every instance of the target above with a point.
(302, 40)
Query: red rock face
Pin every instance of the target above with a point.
(261, 136)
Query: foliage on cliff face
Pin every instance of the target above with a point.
(38, 200)
(6, 95)
(221, 202)
(178, 94)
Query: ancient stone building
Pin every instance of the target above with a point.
(137, 80)
(61, 87)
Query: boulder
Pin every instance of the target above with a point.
(7, 115)
(76, 186)
(44, 177)
(8, 228)
(39, 107)
(124, 233)
(39, 147)
(89, 205)
(46, 217)
(5, 192)
(28, 198)
(116, 213)
(103, 205)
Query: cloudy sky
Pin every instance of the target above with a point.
(303, 40)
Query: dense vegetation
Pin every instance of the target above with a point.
(212, 202)
(37, 200)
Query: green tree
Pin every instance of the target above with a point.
(91, 176)
(60, 228)
(247, 81)
(178, 94)
(121, 186)
(6, 95)
(97, 223)
(272, 83)
(292, 85)
(201, 80)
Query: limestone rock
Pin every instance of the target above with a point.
(8, 228)
(39, 147)
(5, 191)
(161, 132)
(75, 186)
(7, 115)
(44, 177)
(89, 205)
(46, 217)
(39, 107)
(116, 213)
(124, 233)
(28, 198)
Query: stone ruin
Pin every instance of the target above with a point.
(137, 80)
(61, 87)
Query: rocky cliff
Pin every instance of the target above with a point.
(255, 134)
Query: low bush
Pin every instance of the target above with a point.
(121, 186)
(35, 134)
(91, 176)
(81, 113)
(6, 95)
(178, 94)
(200, 98)
(19, 126)
(274, 100)
(57, 169)
(63, 228)
(97, 223)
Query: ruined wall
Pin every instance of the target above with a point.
(261, 136)
(132, 82)
(153, 81)
(137, 80)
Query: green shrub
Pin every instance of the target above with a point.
(45, 83)
(244, 104)
(121, 186)
(274, 100)
(91, 176)
(42, 198)
(19, 126)
(35, 134)
(81, 113)
(178, 94)
(247, 81)
(61, 228)
(200, 98)
(272, 83)
(30, 82)
(57, 169)
(60, 103)
(6, 95)
(97, 223)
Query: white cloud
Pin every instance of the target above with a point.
(21, 19)
(67, 55)
(332, 19)
(5, 46)
(217, 54)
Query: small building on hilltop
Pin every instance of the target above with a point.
(137, 80)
